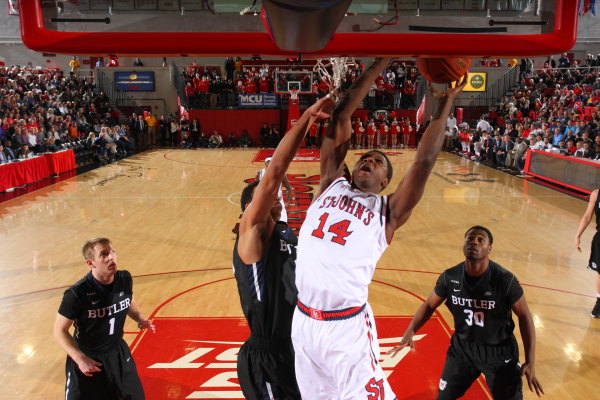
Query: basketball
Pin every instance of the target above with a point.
(443, 70)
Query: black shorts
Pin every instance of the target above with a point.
(266, 370)
(595, 254)
(117, 380)
(465, 361)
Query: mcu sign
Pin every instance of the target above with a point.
(258, 100)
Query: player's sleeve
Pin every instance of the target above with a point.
(441, 287)
(69, 306)
(514, 290)
(127, 282)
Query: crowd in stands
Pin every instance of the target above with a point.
(211, 88)
(553, 109)
(48, 111)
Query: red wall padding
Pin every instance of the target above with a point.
(226, 121)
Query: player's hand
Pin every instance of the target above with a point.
(452, 92)
(146, 324)
(87, 366)
(529, 371)
(322, 107)
(406, 341)
(577, 244)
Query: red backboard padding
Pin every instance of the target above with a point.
(358, 44)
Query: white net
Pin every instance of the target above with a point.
(294, 94)
(332, 70)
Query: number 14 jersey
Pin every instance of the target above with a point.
(340, 242)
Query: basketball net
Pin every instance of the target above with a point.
(338, 67)
(294, 94)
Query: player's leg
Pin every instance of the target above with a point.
(354, 359)
(458, 373)
(284, 216)
(249, 375)
(502, 371)
(596, 309)
(282, 374)
(594, 264)
(81, 387)
(123, 374)
(314, 382)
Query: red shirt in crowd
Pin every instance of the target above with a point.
(250, 86)
(264, 85)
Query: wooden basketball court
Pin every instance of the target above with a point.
(170, 215)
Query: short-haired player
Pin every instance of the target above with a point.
(99, 364)
(481, 295)
(264, 267)
(346, 230)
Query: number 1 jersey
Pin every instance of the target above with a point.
(340, 242)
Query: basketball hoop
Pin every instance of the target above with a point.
(294, 94)
(338, 67)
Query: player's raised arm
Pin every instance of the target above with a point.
(256, 222)
(337, 139)
(411, 188)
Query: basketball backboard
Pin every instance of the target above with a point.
(474, 28)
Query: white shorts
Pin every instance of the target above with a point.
(283, 217)
(339, 359)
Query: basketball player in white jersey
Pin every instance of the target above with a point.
(284, 182)
(346, 230)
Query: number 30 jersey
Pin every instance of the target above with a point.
(481, 306)
(340, 242)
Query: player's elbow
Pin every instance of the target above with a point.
(424, 163)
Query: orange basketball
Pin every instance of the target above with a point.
(443, 70)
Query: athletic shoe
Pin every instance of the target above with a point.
(596, 310)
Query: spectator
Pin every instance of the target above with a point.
(563, 61)
(215, 140)
(138, 62)
(264, 135)
(114, 61)
(8, 151)
(483, 125)
(232, 141)
(152, 123)
(195, 131)
(245, 140)
(25, 152)
(174, 130)
(203, 140)
(163, 127)
(451, 122)
(186, 140)
(502, 151)
(74, 64)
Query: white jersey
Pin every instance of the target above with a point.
(283, 217)
(340, 242)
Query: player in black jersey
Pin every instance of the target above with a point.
(594, 263)
(264, 266)
(99, 363)
(481, 295)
